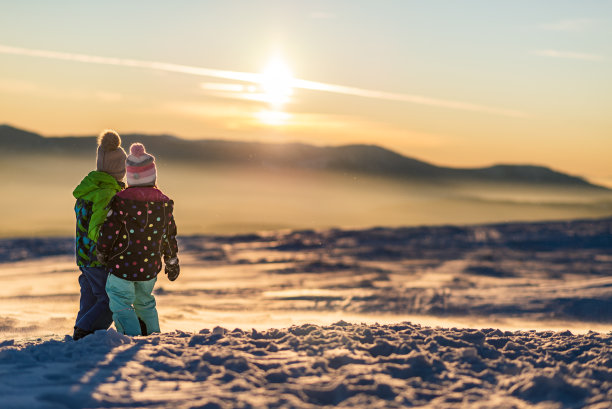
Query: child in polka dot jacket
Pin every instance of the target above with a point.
(138, 232)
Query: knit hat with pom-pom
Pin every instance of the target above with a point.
(110, 157)
(141, 170)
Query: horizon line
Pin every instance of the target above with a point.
(588, 179)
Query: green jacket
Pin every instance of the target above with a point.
(93, 195)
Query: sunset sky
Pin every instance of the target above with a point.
(467, 83)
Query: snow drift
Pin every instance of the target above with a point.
(345, 365)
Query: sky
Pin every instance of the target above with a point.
(462, 84)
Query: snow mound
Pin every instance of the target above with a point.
(343, 364)
(108, 337)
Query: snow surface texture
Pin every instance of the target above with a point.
(346, 365)
(508, 276)
(553, 275)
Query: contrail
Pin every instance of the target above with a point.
(257, 78)
(568, 54)
(125, 62)
(415, 99)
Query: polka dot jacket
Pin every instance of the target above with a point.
(139, 230)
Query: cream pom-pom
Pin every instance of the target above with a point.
(109, 140)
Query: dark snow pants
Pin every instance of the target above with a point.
(94, 313)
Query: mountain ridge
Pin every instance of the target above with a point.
(358, 158)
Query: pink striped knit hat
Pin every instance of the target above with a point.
(140, 167)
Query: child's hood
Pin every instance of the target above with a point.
(144, 205)
(143, 194)
(93, 182)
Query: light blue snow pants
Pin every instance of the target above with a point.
(131, 300)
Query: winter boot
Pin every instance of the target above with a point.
(80, 333)
(143, 326)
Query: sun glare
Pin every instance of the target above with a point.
(276, 87)
(277, 83)
(273, 117)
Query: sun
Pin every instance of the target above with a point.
(276, 83)
(275, 87)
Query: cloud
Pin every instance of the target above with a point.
(207, 110)
(415, 99)
(254, 93)
(568, 55)
(302, 126)
(16, 86)
(126, 62)
(256, 78)
(239, 92)
(223, 87)
(579, 24)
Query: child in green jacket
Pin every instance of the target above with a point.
(92, 196)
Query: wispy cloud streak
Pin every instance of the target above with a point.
(125, 62)
(568, 55)
(256, 78)
(415, 99)
(579, 24)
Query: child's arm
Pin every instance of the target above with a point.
(169, 245)
(99, 210)
(107, 236)
(170, 251)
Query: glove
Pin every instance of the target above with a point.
(102, 258)
(172, 268)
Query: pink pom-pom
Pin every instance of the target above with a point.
(137, 149)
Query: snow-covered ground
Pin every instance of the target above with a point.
(514, 289)
(366, 366)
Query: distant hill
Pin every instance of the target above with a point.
(363, 159)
